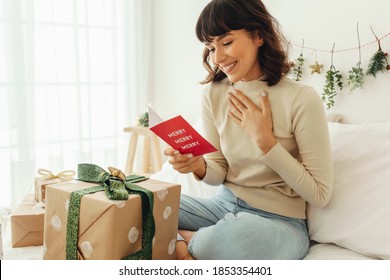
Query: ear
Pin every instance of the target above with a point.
(259, 41)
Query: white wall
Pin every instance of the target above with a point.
(177, 58)
(177, 65)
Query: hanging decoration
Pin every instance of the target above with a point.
(298, 65)
(378, 63)
(333, 79)
(355, 79)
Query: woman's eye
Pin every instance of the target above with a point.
(211, 50)
(227, 43)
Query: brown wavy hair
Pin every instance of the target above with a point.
(222, 16)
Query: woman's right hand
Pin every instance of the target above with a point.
(186, 163)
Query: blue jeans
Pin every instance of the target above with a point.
(228, 228)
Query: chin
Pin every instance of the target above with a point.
(232, 79)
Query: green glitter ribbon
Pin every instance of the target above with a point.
(114, 188)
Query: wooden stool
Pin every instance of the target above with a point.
(152, 150)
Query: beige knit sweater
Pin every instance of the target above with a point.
(297, 170)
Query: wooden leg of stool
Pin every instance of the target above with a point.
(131, 153)
(156, 152)
(146, 159)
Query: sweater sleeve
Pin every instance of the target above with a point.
(216, 163)
(312, 175)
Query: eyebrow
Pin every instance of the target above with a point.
(219, 38)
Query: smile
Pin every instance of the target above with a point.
(227, 68)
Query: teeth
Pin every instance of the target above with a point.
(228, 67)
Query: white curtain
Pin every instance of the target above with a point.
(73, 74)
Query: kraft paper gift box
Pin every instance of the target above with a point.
(47, 178)
(27, 223)
(110, 229)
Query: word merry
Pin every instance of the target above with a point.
(176, 133)
(190, 145)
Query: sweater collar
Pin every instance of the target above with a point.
(250, 87)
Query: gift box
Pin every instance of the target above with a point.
(108, 228)
(45, 178)
(27, 223)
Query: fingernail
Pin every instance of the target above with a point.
(264, 93)
(190, 156)
(176, 152)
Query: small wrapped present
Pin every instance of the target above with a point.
(111, 216)
(47, 178)
(27, 223)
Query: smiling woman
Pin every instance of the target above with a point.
(69, 83)
(269, 132)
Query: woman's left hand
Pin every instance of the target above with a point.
(255, 121)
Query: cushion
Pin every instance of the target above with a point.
(358, 214)
(331, 117)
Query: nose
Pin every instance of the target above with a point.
(219, 55)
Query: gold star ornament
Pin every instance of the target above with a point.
(316, 68)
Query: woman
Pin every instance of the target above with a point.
(273, 145)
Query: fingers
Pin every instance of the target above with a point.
(236, 103)
(184, 163)
(179, 158)
(265, 103)
(241, 101)
(170, 152)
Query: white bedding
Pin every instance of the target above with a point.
(326, 251)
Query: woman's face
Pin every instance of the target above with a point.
(235, 54)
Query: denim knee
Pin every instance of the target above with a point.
(248, 236)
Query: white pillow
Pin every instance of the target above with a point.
(358, 215)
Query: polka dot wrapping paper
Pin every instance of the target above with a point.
(111, 229)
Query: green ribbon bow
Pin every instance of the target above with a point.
(116, 186)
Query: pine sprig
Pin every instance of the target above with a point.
(378, 62)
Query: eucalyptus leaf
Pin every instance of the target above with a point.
(333, 80)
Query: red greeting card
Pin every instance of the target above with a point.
(181, 136)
